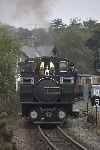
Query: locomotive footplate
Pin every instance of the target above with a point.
(49, 103)
(48, 122)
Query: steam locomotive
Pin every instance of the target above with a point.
(47, 89)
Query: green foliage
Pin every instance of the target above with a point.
(58, 25)
(3, 114)
(89, 24)
(7, 146)
(40, 37)
(94, 41)
(8, 53)
(6, 136)
(75, 25)
(71, 43)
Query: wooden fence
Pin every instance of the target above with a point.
(8, 103)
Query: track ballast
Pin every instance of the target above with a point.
(57, 139)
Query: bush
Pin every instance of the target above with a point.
(7, 146)
(3, 115)
(6, 136)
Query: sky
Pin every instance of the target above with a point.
(31, 13)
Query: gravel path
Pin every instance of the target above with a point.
(85, 132)
(28, 138)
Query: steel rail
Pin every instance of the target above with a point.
(71, 139)
(67, 138)
(47, 139)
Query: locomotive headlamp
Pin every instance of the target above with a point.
(34, 114)
(62, 114)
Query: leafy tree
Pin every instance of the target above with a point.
(89, 24)
(6, 137)
(71, 44)
(8, 54)
(94, 41)
(75, 24)
(58, 25)
(41, 37)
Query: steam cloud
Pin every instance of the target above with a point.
(26, 13)
(36, 10)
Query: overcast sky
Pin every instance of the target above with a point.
(28, 13)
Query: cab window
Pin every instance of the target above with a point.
(62, 66)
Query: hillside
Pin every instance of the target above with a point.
(70, 42)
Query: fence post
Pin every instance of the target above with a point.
(96, 115)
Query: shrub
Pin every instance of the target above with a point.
(6, 136)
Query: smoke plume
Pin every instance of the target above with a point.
(37, 11)
(27, 13)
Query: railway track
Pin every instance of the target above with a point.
(59, 140)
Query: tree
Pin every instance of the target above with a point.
(58, 25)
(71, 44)
(94, 41)
(9, 49)
(75, 25)
(89, 24)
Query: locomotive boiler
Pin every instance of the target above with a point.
(47, 89)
